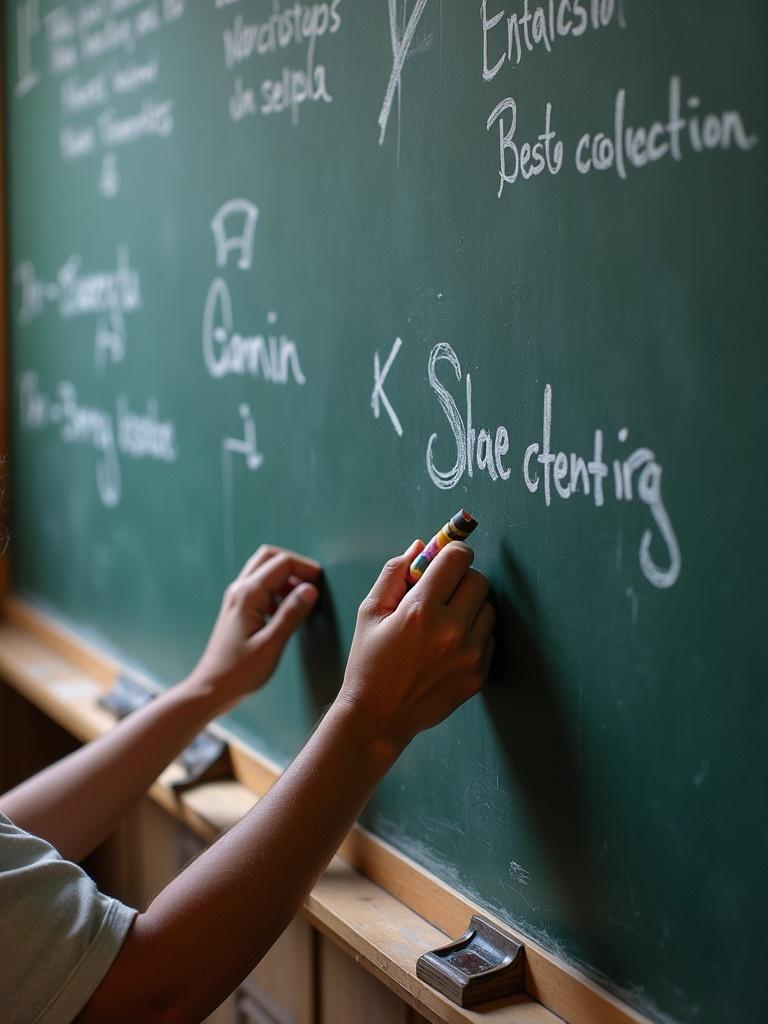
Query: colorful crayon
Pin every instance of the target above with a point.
(458, 527)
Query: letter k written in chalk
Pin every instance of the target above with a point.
(378, 396)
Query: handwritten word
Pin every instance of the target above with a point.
(153, 119)
(637, 475)
(541, 25)
(134, 76)
(135, 435)
(225, 351)
(638, 147)
(529, 159)
(144, 435)
(472, 449)
(116, 34)
(242, 102)
(76, 142)
(294, 87)
(296, 24)
(568, 471)
(77, 95)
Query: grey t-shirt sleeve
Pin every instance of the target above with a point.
(58, 934)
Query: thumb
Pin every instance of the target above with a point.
(289, 615)
(392, 585)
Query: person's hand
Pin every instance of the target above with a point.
(418, 654)
(260, 611)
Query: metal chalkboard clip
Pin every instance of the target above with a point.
(205, 759)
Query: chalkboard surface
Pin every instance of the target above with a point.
(320, 274)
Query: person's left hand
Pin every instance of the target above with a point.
(260, 611)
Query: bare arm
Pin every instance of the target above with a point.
(415, 657)
(77, 802)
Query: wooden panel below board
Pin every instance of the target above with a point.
(383, 920)
(349, 995)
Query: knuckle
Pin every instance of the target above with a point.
(266, 551)
(235, 594)
(280, 558)
(415, 615)
(367, 608)
(459, 552)
(451, 636)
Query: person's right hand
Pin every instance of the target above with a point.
(418, 653)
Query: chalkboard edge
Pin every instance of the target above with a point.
(5, 383)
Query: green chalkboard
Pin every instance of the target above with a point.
(320, 274)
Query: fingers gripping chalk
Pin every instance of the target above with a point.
(458, 527)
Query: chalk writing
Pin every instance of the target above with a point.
(623, 145)
(532, 26)
(269, 354)
(109, 295)
(230, 240)
(245, 445)
(401, 41)
(527, 160)
(298, 25)
(154, 119)
(524, 27)
(27, 28)
(379, 396)
(98, 111)
(636, 476)
(685, 131)
(109, 179)
(231, 447)
(273, 357)
(110, 434)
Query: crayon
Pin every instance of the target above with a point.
(458, 527)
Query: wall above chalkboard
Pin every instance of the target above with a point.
(321, 273)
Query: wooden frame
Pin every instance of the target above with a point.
(5, 384)
(375, 903)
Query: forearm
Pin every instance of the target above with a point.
(77, 802)
(218, 918)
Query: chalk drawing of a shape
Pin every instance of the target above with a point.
(401, 44)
